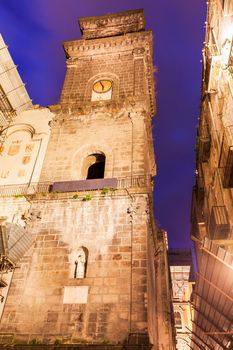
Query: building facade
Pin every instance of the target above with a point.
(77, 181)
(212, 212)
(212, 202)
(182, 278)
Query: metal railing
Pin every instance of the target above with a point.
(226, 158)
(24, 189)
(197, 211)
(212, 50)
(212, 68)
(134, 181)
(203, 142)
(219, 225)
(87, 346)
(139, 181)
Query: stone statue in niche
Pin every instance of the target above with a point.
(80, 263)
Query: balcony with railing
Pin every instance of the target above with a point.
(212, 49)
(197, 209)
(212, 68)
(226, 158)
(230, 62)
(203, 142)
(140, 181)
(219, 225)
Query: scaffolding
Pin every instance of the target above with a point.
(13, 95)
(6, 116)
(14, 243)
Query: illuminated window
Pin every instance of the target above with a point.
(102, 90)
(178, 321)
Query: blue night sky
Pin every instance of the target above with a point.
(35, 30)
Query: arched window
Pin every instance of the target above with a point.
(94, 166)
(178, 320)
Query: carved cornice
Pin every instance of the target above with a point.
(81, 49)
(113, 24)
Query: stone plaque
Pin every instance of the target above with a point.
(75, 295)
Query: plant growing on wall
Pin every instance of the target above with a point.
(18, 196)
(105, 190)
(88, 197)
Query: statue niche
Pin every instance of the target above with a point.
(81, 263)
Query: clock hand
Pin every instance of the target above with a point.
(102, 85)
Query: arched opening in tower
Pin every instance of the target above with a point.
(97, 166)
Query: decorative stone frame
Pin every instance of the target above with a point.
(103, 76)
(20, 127)
(27, 128)
(18, 164)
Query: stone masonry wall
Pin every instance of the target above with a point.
(121, 137)
(216, 116)
(76, 86)
(113, 227)
(46, 300)
(124, 60)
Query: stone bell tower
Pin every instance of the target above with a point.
(90, 276)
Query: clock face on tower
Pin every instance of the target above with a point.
(102, 86)
(102, 90)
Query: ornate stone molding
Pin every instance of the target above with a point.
(138, 52)
(110, 25)
(115, 109)
(80, 48)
